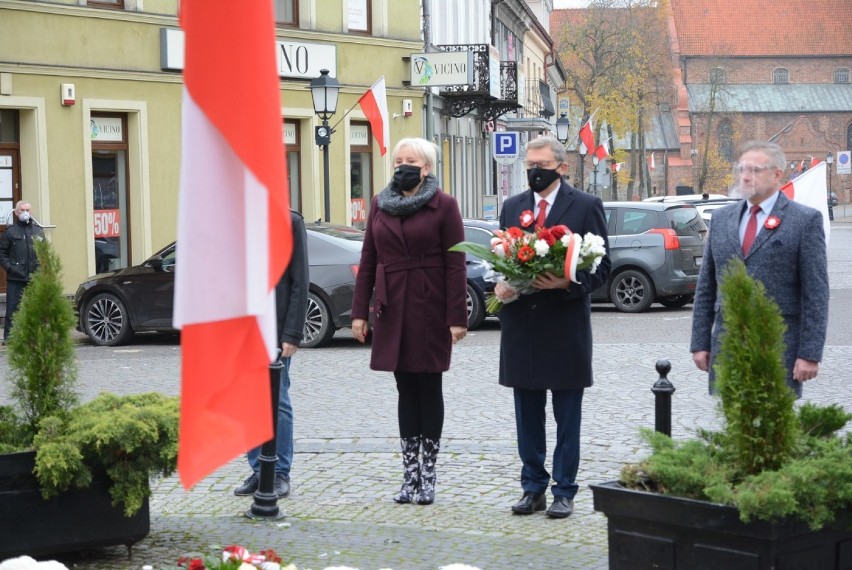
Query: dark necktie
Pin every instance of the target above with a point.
(542, 213)
(751, 229)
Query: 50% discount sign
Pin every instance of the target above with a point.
(107, 223)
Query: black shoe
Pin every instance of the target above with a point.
(530, 503)
(282, 485)
(561, 508)
(248, 487)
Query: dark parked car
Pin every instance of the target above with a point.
(112, 306)
(481, 232)
(832, 200)
(656, 250)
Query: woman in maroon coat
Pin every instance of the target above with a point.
(419, 303)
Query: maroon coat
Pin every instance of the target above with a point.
(420, 287)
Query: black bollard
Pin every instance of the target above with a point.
(265, 505)
(663, 390)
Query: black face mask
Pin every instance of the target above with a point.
(541, 178)
(406, 177)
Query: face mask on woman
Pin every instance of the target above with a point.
(406, 177)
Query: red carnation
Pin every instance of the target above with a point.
(546, 235)
(526, 253)
(527, 218)
(515, 233)
(558, 231)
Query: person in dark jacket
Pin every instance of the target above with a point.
(546, 336)
(291, 297)
(18, 258)
(420, 303)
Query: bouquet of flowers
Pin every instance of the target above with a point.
(237, 558)
(517, 257)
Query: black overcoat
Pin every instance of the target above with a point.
(420, 287)
(546, 337)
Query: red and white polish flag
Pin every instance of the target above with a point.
(374, 103)
(234, 237)
(810, 189)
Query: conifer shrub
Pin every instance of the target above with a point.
(42, 362)
(770, 460)
(130, 438)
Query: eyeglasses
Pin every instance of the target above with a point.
(752, 168)
(546, 164)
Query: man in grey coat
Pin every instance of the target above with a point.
(782, 244)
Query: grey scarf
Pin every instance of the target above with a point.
(393, 202)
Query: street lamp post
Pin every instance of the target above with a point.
(595, 161)
(562, 127)
(829, 160)
(324, 90)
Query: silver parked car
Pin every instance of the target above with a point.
(656, 250)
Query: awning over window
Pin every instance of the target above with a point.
(547, 107)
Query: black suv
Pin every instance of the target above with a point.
(656, 250)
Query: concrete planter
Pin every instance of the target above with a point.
(79, 519)
(647, 530)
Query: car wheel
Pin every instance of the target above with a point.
(676, 302)
(319, 327)
(475, 308)
(106, 320)
(631, 291)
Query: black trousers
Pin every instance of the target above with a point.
(421, 404)
(14, 292)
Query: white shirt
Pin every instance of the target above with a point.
(765, 207)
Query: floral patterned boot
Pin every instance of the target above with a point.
(411, 469)
(426, 493)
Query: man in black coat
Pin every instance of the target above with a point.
(546, 336)
(291, 298)
(18, 258)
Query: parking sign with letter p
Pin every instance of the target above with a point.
(505, 145)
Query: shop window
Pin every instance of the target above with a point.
(360, 173)
(841, 75)
(110, 203)
(287, 13)
(780, 75)
(294, 161)
(360, 16)
(116, 4)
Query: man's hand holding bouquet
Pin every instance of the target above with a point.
(523, 261)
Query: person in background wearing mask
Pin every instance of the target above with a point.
(782, 244)
(420, 307)
(18, 258)
(546, 336)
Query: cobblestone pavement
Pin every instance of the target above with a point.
(347, 464)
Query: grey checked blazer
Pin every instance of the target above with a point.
(789, 260)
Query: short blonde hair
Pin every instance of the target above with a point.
(428, 151)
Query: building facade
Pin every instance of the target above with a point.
(90, 107)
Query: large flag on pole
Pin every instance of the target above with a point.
(374, 103)
(810, 189)
(232, 173)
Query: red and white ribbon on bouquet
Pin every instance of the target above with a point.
(572, 255)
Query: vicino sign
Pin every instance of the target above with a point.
(435, 69)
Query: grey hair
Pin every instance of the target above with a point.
(551, 142)
(428, 151)
(772, 151)
(21, 203)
